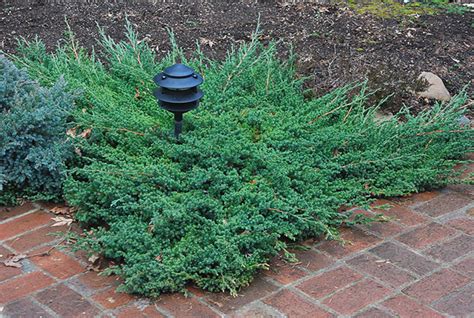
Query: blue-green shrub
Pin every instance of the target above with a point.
(33, 144)
(257, 165)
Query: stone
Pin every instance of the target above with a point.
(381, 117)
(436, 89)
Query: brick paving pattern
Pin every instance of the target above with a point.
(420, 264)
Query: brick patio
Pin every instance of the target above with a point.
(419, 265)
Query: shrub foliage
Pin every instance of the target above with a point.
(33, 146)
(257, 166)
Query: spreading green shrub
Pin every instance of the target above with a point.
(33, 145)
(257, 165)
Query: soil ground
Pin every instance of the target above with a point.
(334, 46)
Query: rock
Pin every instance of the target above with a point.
(381, 117)
(436, 89)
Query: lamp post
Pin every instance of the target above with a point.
(178, 92)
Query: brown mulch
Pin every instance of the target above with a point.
(334, 45)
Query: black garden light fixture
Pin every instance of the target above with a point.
(177, 92)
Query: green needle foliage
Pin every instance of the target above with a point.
(257, 165)
(33, 144)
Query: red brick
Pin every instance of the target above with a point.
(328, 282)
(134, 312)
(459, 303)
(33, 239)
(95, 281)
(111, 299)
(452, 249)
(426, 235)
(24, 307)
(373, 313)
(384, 229)
(24, 223)
(464, 189)
(196, 291)
(436, 285)
(284, 273)
(313, 261)
(293, 305)
(9, 212)
(382, 269)
(66, 302)
(226, 303)
(256, 310)
(444, 204)
(466, 267)
(405, 307)
(464, 224)
(23, 285)
(356, 297)
(355, 240)
(404, 258)
(57, 264)
(7, 272)
(417, 198)
(402, 214)
(180, 306)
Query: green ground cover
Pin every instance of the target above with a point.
(257, 168)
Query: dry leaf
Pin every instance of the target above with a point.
(93, 258)
(86, 133)
(60, 221)
(14, 260)
(151, 228)
(158, 258)
(60, 210)
(71, 132)
(96, 263)
(323, 9)
(208, 42)
(470, 212)
(137, 93)
(78, 151)
(382, 261)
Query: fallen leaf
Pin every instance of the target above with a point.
(470, 212)
(78, 151)
(137, 93)
(208, 42)
(71, 132)
(86, 133)
(323, 9)
(158, 258)
(60, 221)
(14, 260)
(151, 228)
(382, 261)
(60, 210)
(93, 258)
